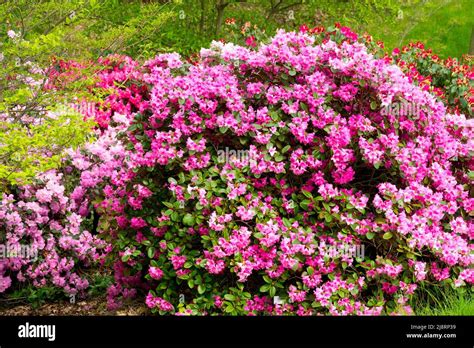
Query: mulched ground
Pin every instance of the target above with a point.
(94, 306)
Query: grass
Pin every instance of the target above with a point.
(448, 30)
(448, 302)
(443, 25)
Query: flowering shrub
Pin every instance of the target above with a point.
(103, 80)
(46, 225)
(43, 240)
(324, 202)
(319, 170)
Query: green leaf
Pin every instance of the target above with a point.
(370, 235)
(188, 264)
(188, 220)
(151, 252)
(168, 204)
(387, 235)
(279, 158)
(328, 218)
(201, 289)
(229, 297)
(304, 204)
(174, 216)
(274, 116)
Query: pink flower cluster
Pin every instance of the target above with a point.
(47, 225)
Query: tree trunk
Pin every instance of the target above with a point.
(220, 7)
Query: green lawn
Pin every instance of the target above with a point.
(443, 25)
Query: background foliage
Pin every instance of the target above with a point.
(91, 28)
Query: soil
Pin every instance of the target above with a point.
(91, 307)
